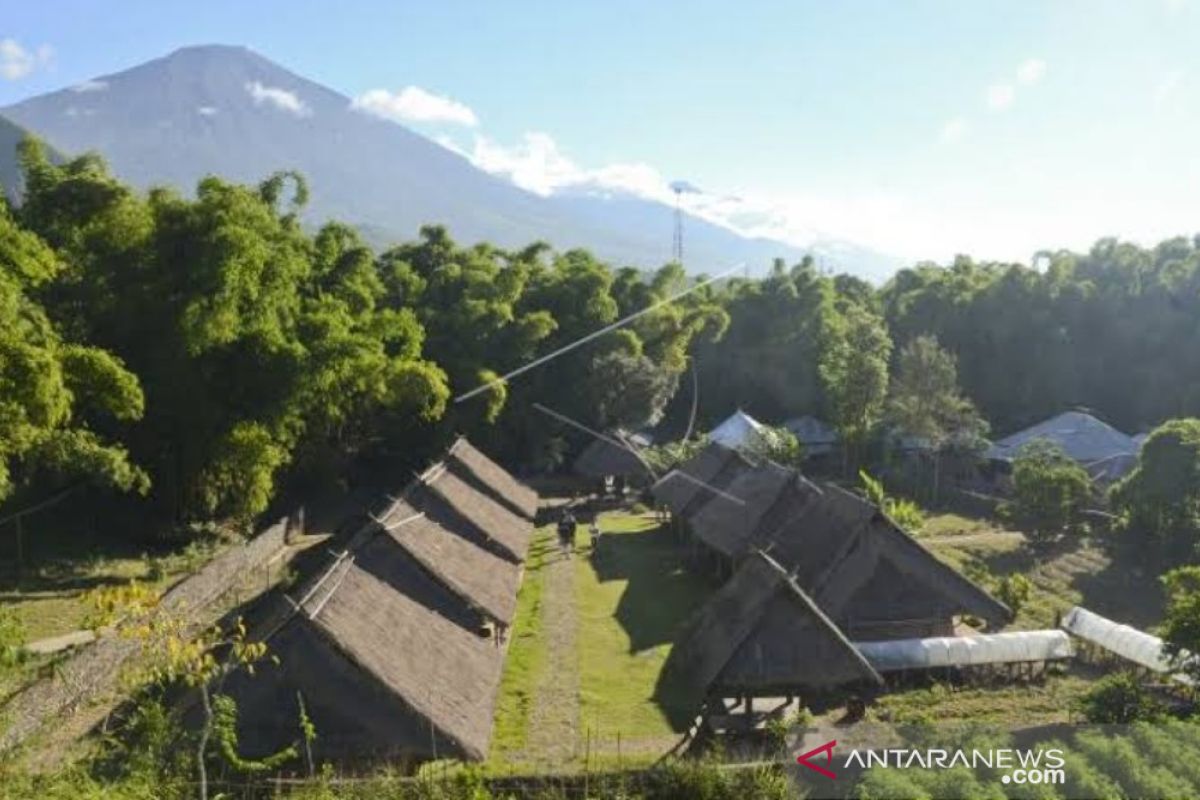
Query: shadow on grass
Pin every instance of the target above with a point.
(659, 597)
(1122, 590)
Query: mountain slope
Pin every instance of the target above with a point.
(228, 111)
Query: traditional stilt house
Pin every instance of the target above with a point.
(761, 635)
(693, 483)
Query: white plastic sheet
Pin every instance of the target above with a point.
(1129, 643)
(962, 651)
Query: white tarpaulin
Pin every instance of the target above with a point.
(962, 651)
(1129, 643)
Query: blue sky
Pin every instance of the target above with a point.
(920, 128)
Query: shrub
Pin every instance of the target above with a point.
(1050, 492)
(1014, 591)
(1119, 699)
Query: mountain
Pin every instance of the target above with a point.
(228, 111)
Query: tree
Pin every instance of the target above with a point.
(629, 390)
(926, 402)
(55, 396)
(777, 444)
(1050, 491)
(172, 655)
(1181, 625)
(1160, 499)
(854, 373)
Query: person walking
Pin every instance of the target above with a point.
(566, 531)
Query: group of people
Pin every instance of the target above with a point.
(567, 523)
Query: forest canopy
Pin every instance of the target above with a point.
(208, 351)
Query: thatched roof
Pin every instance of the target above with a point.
(475, 467)
(867, 573)
(602, 458)
(476, 575)
(728, 520)
(760, 633)
(385, 665)
(450, 501)
(681, 485)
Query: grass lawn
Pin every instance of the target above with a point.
(1068, 573)
(1010, 706)
(631, 601)
(64, 559)
(526, 654)
(627, 604)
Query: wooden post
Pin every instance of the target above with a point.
(20, 549)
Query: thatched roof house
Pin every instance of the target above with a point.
(386, 669)
(480, 578)
(728, 522)
(867, 574)
(694, 480)
(473, 466)
(390, 644)
(458, 505)
(603, 458)
(761, 634)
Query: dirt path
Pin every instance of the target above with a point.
(554, 719)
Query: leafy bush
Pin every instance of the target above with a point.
(12, 639)
(1014, 591)
(905, 513)
(1050, 492)
(1119, 699)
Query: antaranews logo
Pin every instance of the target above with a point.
(827, 749)
(1020, 766)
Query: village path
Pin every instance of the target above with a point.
(554, 718)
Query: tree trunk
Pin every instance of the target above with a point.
(201, 770)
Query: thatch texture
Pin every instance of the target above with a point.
(870, 576)
(452, 502)
(473, 466)
(384, 667)
(680, 486)
(476, 575)
(761, 633)
(602, 458)
(728, 520)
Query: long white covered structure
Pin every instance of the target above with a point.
(1017, 647)
(1129, 643)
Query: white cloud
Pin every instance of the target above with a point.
(16, 61)
(281, 99)
(953, 130)
(1000, 96)
(414, 104)
(1031, 71)
(89, 86)
(206, 111)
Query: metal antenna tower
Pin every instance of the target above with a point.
(680, 188)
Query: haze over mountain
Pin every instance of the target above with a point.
(230, 112)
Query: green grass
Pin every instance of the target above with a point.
(1010, 705)
(1067, 573)
(631, 602)
(526, 654)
